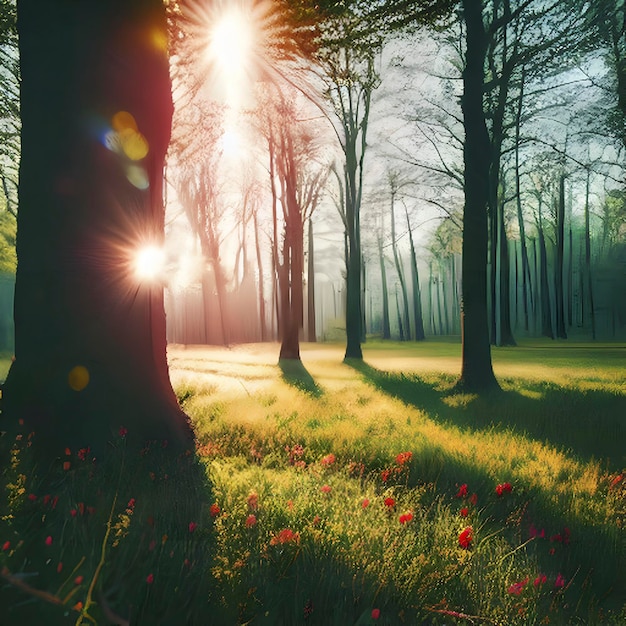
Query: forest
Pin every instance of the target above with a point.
(312, 311)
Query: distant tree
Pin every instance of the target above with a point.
(90, 338)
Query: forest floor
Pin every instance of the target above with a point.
(344, 493)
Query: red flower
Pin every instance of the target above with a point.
(473, 499)
(82, 453)
(131, 503)
(285, 536)
(384, 475)
(406, 517)
(389, 502)
(560, 581)
(122, 431)
(325, 488)
(375, 613)
(516, 588)
(73, 512)
(540, 580)
(503, 488)
(329, 459)
(66, 465)
(533, 532)
(462, 492)
(6, 545)
(464, 511)
(32, 497)
(214, 510)
(54, 502)
(250, 521)
(46, 499)
(48, 540)
(192, 526)
(68, 452)
(404, 457)
(81, 508)
(365, 503)
(59, 567)
(78, 580)
(616, 481)
(465, 537)
(150, 578)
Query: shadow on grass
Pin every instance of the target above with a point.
(295, 374)
(589, 423)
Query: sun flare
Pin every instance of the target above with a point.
(231, 41)
(149, 263)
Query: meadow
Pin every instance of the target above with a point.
(340, 493)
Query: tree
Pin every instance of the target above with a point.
(90, 338)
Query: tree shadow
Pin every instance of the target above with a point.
(295, 374)
(588, 423)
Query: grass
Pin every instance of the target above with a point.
(335, 490)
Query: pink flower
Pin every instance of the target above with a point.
(540, 580)
(253, 501)
(214, 510)
(406, 517)
(6, 545)
(131, 503)
(464, 511)
(375, 613)
(150, 578)
(516, 588)
(462, 492)
(122, 432)
(389, 502)
(73, 512)
(559, 582)
(329, 459)
(250, 521)
(192, 526)
(48, 540)
(465, 537)
(325, 489)
(365, 503)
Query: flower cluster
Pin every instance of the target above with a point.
(286, 535)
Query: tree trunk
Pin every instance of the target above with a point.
(312, 332)
(588, 274)
(261, 289)
(90, 338)
(546, 308)
(385, 295)
(559, 269)
(476, 369)
(415, 281)
(400, 271)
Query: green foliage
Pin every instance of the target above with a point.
(8, 228)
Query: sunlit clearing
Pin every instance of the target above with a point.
(149, 263)
(231, 41)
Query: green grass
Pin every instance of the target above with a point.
(293, 527)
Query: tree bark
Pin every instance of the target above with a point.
(415, 282)
(385, 291)
(561, 331)
(90, 339)
(476, 369)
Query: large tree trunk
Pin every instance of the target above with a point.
(90, 338)
(476, 370)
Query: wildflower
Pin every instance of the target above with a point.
(503, 488)
(68, 452)
(404, 457)
(516, 588)
(389, 502)
(559, 582)
(316, 520)
(551, 551)
(150, 578)
(384, 475)
(464, 511)
(73, 512)
(290, 505)
(329, 459)
(250, 521)
(48, 540)
(122, 432)
(365, 503)
(533, 532)
(54, 502)
(82, 453)
(616, 481)
(5, 546)
(540, 580)
(473, 500)
(375, 613)
(81, 508)
(253, 501)
(214, 510)
(60, 567)
(462, 492)
(32, 497)
(46, 499)
(308, 609)
(66, 466)
(192, 526)
(465, 537)
(78, 606)
(325, 488)
(78, 580)
(131, 503)
(566, 536)
(285, 536)
(406, 517)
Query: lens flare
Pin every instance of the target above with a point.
(149, 263)
(78, 378)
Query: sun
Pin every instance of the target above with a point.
(231, 40)
(149, 263)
